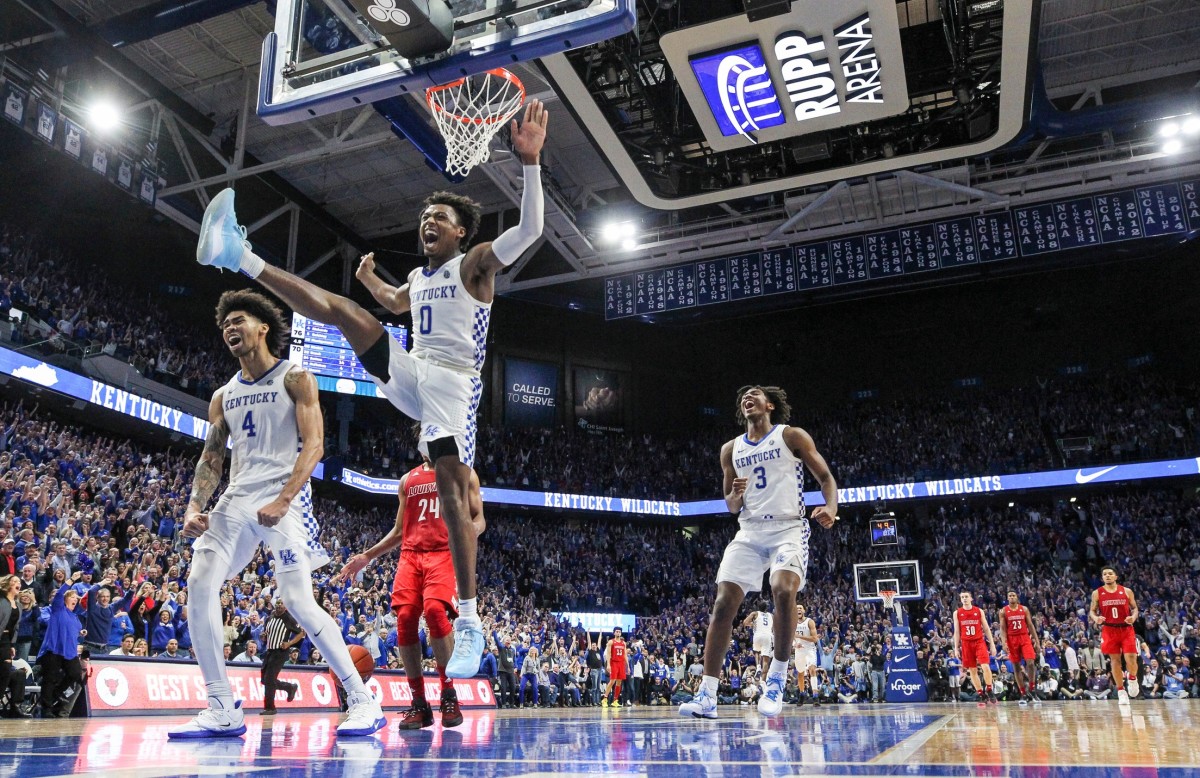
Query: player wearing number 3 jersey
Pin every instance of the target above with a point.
(424, 586)
(764, 485)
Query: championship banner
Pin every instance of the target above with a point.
(599, 405)
(72, 139)
(47, 122)
(14, 103)
(530, 393)
(120, 686)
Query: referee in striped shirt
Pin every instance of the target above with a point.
(281, 632)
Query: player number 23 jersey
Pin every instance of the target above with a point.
(775, 488)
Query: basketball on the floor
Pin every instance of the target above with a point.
(362, 661)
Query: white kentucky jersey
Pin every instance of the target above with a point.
(262, 425)
(449, 325)
(762, 624)
(802, 631)
(775, 488)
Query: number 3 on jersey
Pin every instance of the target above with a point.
(760, 479)
(248, 425)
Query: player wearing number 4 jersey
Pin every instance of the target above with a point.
(439, 383)
(764, 484)
(424, 586)
(1115, 609)
(270, 412)
(1021, 644)
(970, 630)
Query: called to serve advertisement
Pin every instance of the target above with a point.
(530, 393)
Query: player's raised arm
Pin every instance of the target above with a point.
(394, 298)
(209, 468)
(388, 543)
(301, 386)
(527, 141)
(733, 488)
(802, 444)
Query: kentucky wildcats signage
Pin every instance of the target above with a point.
(820, 66)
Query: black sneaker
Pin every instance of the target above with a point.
(419, 716)
(291, 691)
(451, 715)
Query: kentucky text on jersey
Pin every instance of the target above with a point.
(755, 458)
(435, 293)
(250, 399)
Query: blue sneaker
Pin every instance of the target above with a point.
(468, 648)
(213, 721)
(771, 701)
(222, 239)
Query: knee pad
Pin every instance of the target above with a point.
(442, 447)
(436, 619)
(375, 359)
(408, 617)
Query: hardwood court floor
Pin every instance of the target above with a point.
(1152, 738)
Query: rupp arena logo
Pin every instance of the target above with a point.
(739, 82)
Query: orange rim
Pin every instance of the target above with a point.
(498, 72)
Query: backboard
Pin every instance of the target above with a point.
(903, 577)
(325, 56)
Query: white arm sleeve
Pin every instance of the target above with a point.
(515, 241)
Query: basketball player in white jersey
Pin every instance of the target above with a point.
(764, 484)
(763, 641)
(439, 383)
(270, 411)
(805, 646)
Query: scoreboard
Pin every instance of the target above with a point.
(322, 350)
(1081, 222)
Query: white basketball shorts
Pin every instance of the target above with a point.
(781, 544)
(805, 659)
(764, 644)
(234, 532)
(443, 399)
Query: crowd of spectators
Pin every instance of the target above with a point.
(67, 303)
(90, 527)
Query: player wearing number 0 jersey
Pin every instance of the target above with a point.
(970, 632)
(439, 383)
(763, 473)
(424, 586)
(1021, 644)
(1115, 609)
(270, 412)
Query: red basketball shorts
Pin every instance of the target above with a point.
(1020, 649)
(617, 672)
(974, 654)
(424, 575)
(1117, 640)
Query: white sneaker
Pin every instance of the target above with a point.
(468, 648)
(1122, 697)
(363, 718)
(1133, 687)
(771, 701)
(702, 706)
(213, 721)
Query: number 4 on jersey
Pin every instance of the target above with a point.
(248, 424)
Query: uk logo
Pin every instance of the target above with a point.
(901, 640)
(288, 558)
(738, 89)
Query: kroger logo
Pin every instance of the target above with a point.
(909, 689)
(738, 90)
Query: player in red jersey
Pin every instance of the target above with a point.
(1021, 644)
(618, 667)
(970, 630)
(424, 585)
(1115, 609)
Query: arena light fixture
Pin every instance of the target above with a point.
(629, 244)
(1169, 130)
(1172, 146)
(1191, 125)
(618, 232)
(104, 116)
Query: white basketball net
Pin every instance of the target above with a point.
(889, 599)
(470, 111)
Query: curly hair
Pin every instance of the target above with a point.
(262, 308)
(775, 396)
(469, 212)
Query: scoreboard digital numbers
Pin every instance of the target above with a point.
(1000, 236)
(322, 350)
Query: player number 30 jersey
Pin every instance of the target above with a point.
(775, 487)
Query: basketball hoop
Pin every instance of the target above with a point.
(889, 599)
(470, 111)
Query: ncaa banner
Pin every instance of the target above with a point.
(72, 139)
(530, 393)
(120, 686)
(14, 103)
(47, 122)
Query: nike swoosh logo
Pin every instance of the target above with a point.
(900, 657)
(1080, 478)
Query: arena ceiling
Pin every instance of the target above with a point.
(348, 182)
